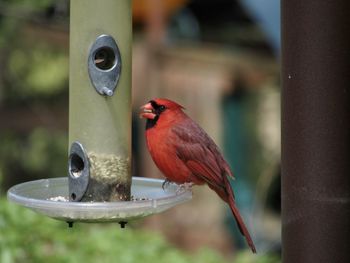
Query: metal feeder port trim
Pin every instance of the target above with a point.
(104, 65)
(78, 172)
(50, 198)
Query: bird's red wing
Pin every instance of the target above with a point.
(200, 154)
(200, 163)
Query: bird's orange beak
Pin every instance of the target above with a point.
(147, 112)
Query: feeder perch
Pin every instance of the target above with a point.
(99, 187)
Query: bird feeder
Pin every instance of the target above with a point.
(99, 186)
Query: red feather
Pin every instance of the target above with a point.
(185, 153)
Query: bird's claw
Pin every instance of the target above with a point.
(184, 187)
(166, 183)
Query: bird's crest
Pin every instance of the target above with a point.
(168, 103)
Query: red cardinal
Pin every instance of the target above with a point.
(186, 154)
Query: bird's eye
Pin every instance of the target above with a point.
(162, 108)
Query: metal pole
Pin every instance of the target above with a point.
(316, 131)
(100, 100)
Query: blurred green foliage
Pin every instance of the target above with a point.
(34, 68)
(33, 4)
(35, 157)
(33, 80)
(28, 237)
(40, 154)
(41, 72)
(13, 13)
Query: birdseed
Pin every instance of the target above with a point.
(109, 178)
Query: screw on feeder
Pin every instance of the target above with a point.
(106, 91)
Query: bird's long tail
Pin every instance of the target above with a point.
(241, 224)
(229, 198)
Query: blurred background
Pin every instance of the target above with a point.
(219, 59)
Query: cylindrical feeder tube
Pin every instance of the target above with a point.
(100, 117)
(315, 131)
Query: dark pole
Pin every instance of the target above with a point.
(316, 131)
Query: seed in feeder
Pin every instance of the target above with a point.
(109, 167)
(109, 178)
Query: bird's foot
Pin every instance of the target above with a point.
(166, 183)
(184, 187)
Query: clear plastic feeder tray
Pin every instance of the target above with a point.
(148, 194)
